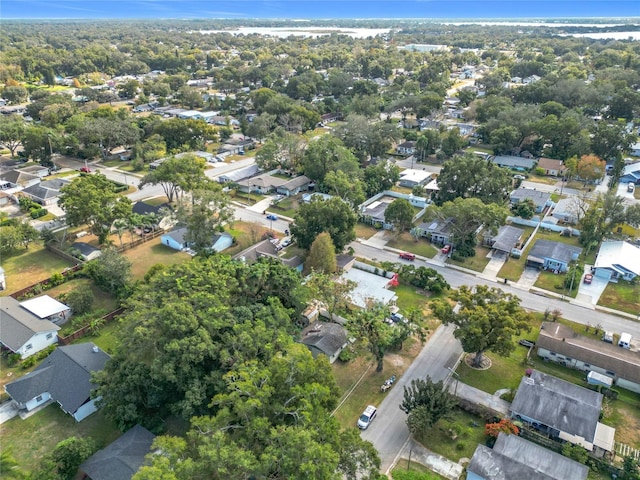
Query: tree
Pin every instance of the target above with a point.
(346, 186)
(180, 134)
(468, 215)
(9, 466)
(525, 208)
(69, 454)
(322, 255)
(10, 238)
(399, 214)
(423, 277)
(328, 154)
(15, 93)
(177, 175)
(603, 216)
(40, 143)
(575, 452)
(107, 133)
(333, 293)
(487, 319)
(426, 402)
(332, 216)
(471, 176)
(204, 216)
(365, 139)
(11, 132)
(380, 177)
(503, 426)
(369, 326)
(590, 168)
(80, 300)
(283, 151)
(631, 468)
(91, 200)
(111, 271)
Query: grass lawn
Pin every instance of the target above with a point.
(477, 263)
(457, 438)
(365, 231)
(426, 474)
(108, 339)
(70, 173)
(157, 201)
(149, 253)
(29, 266)
(293, 251)
(622, 296)
(513, 267)
(542, 179)
(407, 242)
(405, 190)
(555, 283)
(363, 370)
(287, 206)
(101, 299)
(245, 234)
(29, 440)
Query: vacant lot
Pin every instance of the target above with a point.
(476, 263)
(31, 439)
(623, 296)
(245, 235)
(30, 266)
(365, 231)
(287, 206)
(149, 253)
(555, 283)
(408, 243)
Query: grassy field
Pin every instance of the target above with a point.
(365, 231)
(30, 266)
(287, 206)
(426, 474)
(108, 338)
(149, 253)
(542, 179)
(30, 439)
(157, 201)
(555, 283)
(456, 438)
(246, 234)
(477, 263)
(407, 242)
(101, 299)
(622, 296)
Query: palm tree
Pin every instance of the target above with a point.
(120, 225)
(134, 221)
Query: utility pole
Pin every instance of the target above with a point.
(455, 389)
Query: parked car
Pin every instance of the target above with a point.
(398, 317)
(407, 256)
(367, 417)
(85, 170)
(272, 217)
(588, 278)
(631, 187)
(446, 249)
(526, 343)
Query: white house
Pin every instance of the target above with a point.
(635, 149)
(617, 260)
(411, 177)
(63, 377)
(22, 332)
(47, 308)
(569, 210)
(3, 281)
(406, 148)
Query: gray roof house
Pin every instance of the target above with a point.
(22, 332)
(267, 249)
(562, 410)
(569, 210)
(440, 231)
(506, 239)
(294, 186)
(122, 458)
(550, 255)
(47, 192)
(513, 457)
(631, 173)
(63, 377)
(87, 251)
(540, 199)
(240, 175)
(516, 163)
(559, 343)
(374, 212)
(617, 260)
(325, 338)
(18, 178)
(406, 148)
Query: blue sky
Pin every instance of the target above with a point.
(317, 9)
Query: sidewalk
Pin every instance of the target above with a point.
(444, 467)
(377, 241)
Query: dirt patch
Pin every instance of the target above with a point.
(628, 432)
(395, 360)
(486, 362)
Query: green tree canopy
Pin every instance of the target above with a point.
(399, 214)
(332, 216)
(322, 255)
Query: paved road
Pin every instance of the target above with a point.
(530, 301)
(389, 431)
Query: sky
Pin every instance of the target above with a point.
(310, 9)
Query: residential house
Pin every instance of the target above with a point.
(410, 178)
(240, 175)
(513, 457)
(47, 192)
(373, 213)
(325, 338)
(406, 148)
(22, 332)
(438, 231)
(121, 459)
(505, 240)
(617, 260)
(18, 178)
(635, 149)
(85, 251)
(563, 411)
(47, 308)
(554, 256)
(631, 174)
(370, 288)
(530, 79)
(294, 186)
(37, 170)
(190, 115)
(551, 166)
(63, 377)
(344, 262)
(3, 281)
(569, 210)
(234, 147)
(560, 344)
(263, 184)
(540, 199)
(266, 249)
(176, 239)
(309, 197)
(331, 117)
(515, 163)
(142, 208)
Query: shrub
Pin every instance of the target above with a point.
(460, 446)
(37, 213)
(13, 359)
(56, 279)
(80, 300)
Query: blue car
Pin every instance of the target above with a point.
(272, 217)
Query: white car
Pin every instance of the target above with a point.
(367, 417)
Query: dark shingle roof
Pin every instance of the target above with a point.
(65, 374)
(17, 177)
(329, 338)
(554, 250)
(121, 459)
(507, 238)
(41, 193)
(558, 404)
(177, 234)
(84, 248)
(513, 457)
(17, 324)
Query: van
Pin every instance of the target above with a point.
(625, 340)
(631, 187)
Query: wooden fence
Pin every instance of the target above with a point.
(139, 241)
(81, 332)
(26, 290)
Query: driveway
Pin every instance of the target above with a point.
(590, 293)
(494, 265)
(8, 410)
(528, 278)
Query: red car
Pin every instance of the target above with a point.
(588, 278)
(85, 170)
(407, 256)
(446, 249)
